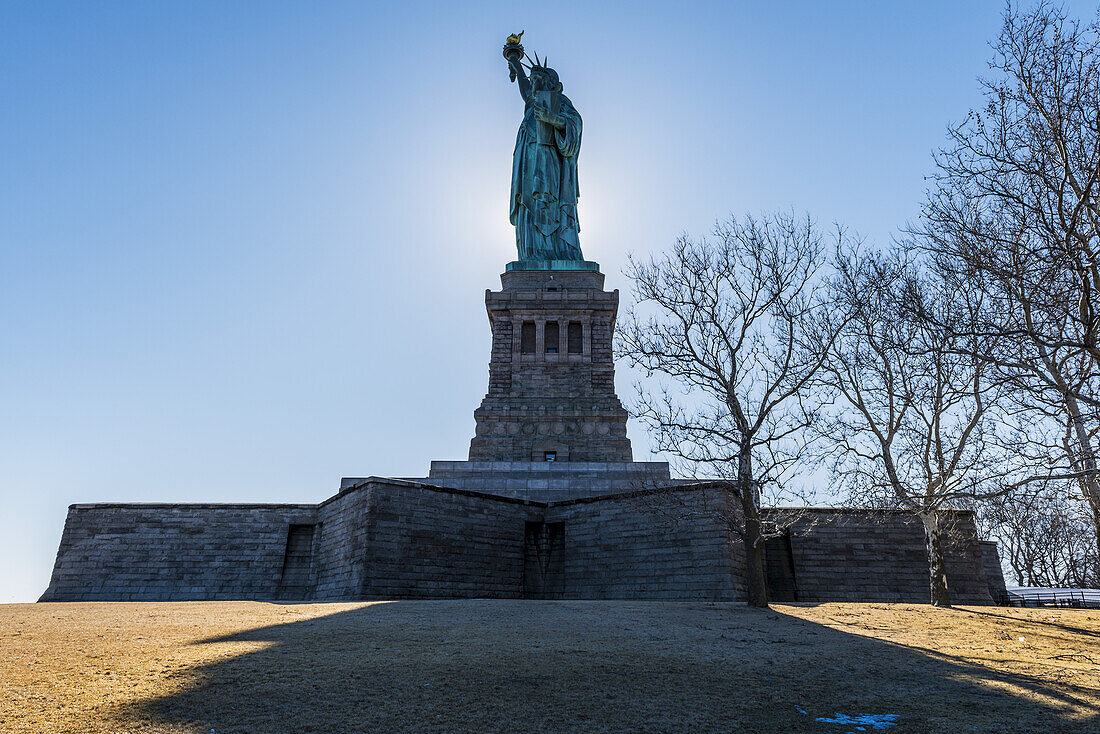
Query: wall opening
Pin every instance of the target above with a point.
(551, 337)
(527, 338)
(549, 450)
(779, 568)
(544, 560)
(575, 334)
(297, 563)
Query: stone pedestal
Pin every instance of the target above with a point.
(550, 481)
(551, 373)
(553, 265)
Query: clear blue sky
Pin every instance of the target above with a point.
(244, 246)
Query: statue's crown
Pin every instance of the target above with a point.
(541, 66)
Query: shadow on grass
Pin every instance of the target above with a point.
(592, 666)
(1064, 611)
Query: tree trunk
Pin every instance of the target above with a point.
(754, 555)
(754, 544)
(937, 567)
(1085, 461)
(1091, 487)
(1096, 568)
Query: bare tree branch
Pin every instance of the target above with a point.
(726, 320)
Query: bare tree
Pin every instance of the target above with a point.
(916, 418)
(1045, 535)
(725, 320)
(1014, 212)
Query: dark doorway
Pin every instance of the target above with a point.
(297, 563)
(779, 568)
(544, 560)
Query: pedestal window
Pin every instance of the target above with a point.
(552, 337)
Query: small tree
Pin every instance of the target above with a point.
(726, 319)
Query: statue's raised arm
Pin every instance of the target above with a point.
(544, 164)
(513, 51)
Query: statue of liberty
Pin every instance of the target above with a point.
(544, 165)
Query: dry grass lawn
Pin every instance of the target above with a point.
(544, 666)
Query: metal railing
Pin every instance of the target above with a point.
(1039, 597)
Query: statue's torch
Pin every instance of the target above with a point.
(513, 51)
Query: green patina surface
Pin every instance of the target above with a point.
(552, 265)
(544, 193)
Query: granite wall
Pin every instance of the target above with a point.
(154, 552)
(341, 561)
(387, 538)
(879, 555)
(547, 398)
(425, 542)
(547, 481)
(994, 577)
(652, 545)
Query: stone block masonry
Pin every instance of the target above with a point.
(429, 542)
(642, 546)
(547, 481)
(390, 538)
(994, 577)
(551, 372)
(381, 538)
(880, 555)
(173, 552)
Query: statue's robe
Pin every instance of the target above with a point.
(544, 182)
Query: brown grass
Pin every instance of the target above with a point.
(543, 666)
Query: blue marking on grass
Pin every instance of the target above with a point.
(862, 721)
